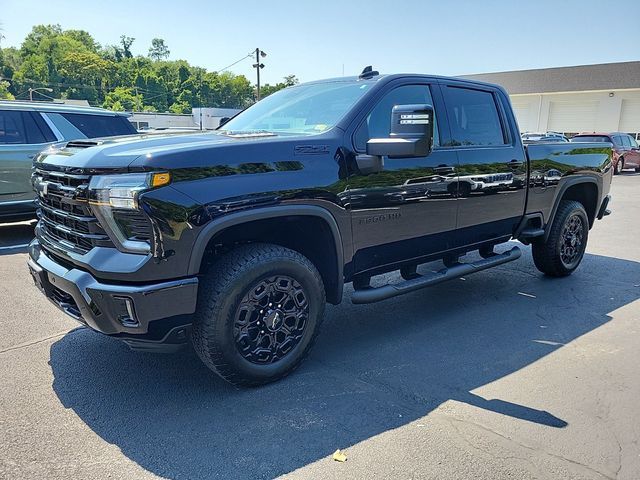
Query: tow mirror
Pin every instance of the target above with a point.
(411, 133)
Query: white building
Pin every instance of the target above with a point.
(587, 98)
(204, 118)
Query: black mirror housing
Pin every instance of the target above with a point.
(411, 133)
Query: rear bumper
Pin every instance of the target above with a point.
(126, 311)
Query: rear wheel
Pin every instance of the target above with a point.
(259, 312)
(563, 250)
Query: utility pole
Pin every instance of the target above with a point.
(258, 66)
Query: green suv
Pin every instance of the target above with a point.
(26, 128)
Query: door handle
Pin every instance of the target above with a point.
(515, 163)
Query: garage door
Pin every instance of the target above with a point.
(630, 116)
(573, 116)
(522, 111)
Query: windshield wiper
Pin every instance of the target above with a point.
(247, 133)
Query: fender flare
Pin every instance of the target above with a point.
(220, 224)
(560, 194)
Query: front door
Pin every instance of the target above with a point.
(492, 164)
(405, 208)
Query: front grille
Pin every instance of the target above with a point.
(66, 219)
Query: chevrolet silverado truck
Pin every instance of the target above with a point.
(234, 240)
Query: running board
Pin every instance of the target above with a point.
(370, 295)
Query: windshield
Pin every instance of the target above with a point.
(304, 109)
(591, 138)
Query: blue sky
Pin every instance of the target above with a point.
(314, 39)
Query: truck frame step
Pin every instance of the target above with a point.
(371, 295)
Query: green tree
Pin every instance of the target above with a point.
(84, 38)
(158, 50)
(5, 94)
(180, 107)
(31, 43)
(74, 65)
(289, 81)
(123, 99)
(126, 43)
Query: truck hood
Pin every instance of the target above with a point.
(177, 150)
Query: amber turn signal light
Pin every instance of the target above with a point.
(160, 179)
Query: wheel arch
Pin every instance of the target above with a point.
(320, 228)
(585, 190)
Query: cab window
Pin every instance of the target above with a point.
(473, 117)
(11, 128)
(378, 122)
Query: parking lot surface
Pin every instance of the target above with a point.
(503, 374)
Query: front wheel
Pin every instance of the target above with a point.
(619, 166)
(259, 312)
(564, 248)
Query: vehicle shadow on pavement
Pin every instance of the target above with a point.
(374, 368)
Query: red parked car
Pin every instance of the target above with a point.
(626, 153)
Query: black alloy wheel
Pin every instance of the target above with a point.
(571, 244)
(271, 319)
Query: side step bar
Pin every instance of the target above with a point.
(371, 295)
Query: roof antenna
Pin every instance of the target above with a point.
(368, 72)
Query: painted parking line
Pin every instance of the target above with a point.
(13, 247)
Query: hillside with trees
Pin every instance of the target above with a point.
(74, 66)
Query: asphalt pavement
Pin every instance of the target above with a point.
(502, 374)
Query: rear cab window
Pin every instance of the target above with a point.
(82, 125)
(474, 118)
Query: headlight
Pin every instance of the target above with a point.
(110, 195)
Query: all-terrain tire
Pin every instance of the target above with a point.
(564, 249)
(225, 319)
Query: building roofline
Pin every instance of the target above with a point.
(582, 78)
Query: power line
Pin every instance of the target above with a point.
(234, 63)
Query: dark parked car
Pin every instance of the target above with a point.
(28, 127)
(626, 153)
(234, 240)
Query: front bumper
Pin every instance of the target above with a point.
(127, 311)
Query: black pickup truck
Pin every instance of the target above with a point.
(235, 239)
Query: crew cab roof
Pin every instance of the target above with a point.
(395, 76)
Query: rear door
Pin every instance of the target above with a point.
(491, 162)
(22, 136)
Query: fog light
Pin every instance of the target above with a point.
(125, 313)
